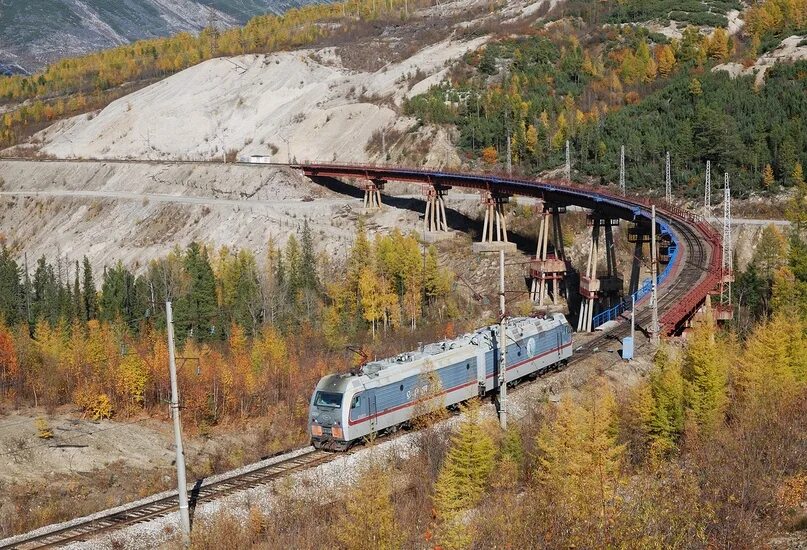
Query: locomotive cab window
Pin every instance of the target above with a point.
(356, 401)
(328, 400)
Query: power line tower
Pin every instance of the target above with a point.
(622, 171)
(707, 192)
(728, 261)
(212, 24)
(568, 162)
(668, 181)
(655, 330)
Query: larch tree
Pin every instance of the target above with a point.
(667, 386)
(9, 366)
(705, 377)
(772, 363)
(719, 46)
(665, 59)
(579, 468)
(463, 478)
(372, 297)
(369, 520)
(768, 179)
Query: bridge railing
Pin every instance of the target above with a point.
(613, 313)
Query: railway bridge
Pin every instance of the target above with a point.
(689, 246)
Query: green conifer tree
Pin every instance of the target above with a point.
(88, 293)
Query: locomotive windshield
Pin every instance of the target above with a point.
(328, 400)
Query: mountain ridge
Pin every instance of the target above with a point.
(35, 34)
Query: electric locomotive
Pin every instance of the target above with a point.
(389, 392)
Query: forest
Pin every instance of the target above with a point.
(244, 326)
(628, 86)
(77, 85)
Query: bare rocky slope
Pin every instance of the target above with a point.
(135, 212)
(303, 105)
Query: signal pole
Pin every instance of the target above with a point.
(182, 485)
(654, 328)
(502, 349)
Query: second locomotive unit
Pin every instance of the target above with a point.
(387, 393)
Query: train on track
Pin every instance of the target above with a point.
(387, 394)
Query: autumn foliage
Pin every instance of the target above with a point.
(253, 337)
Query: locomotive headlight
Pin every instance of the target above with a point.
(316, 430)
(337, 432)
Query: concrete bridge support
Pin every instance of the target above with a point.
(435, 220)
(372, 194)
(596, 288)
(494, 228)
(548, 269)
(639, 236)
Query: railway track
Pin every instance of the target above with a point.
(692, 272)
(90, 528)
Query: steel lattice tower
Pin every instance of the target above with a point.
(725, 295)
(707, 192)
(622, 171)
(668, 181)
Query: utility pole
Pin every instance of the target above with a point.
(707, 192)
(654, 328)
(502, 348)
(509, 156)
(568, 162)
(182, 485)
(668, 181)
(622, 188)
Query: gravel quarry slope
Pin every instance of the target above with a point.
(301, 105)
(135, 212)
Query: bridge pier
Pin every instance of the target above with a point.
(435, 218)
(494, 228)
(548, 270)
(596, 288)
(372, 194)
(638, 235)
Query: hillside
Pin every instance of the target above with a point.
(305, 105)
(33, 34)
